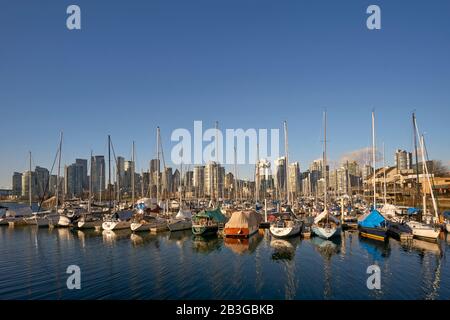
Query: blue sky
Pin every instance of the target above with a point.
(248, 64)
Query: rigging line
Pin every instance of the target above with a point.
(432, 175)
(48, 180)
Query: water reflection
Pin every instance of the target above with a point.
(243, 246)
(378, 250)
(284, 249)
(111, 237)
(205, 245)
(179, 237)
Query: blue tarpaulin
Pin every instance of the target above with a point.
(373, 220)
(446, 214)
(412, 211)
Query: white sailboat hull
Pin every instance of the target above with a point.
(115, 225)
(138, 226)
(326, 233)
(37, 221)
(63, 221)
(423, 231)
(284, 232)
(3, 222)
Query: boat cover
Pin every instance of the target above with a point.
(372, 220)
(215, 215)
(244, 219)
(412, 211)
(446, 214)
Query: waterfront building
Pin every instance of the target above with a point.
(73, 177)
(98, 174)
(280, 177)
(26, 184)
(83, 163)
(294, 179)
(199, 181)
(17, 183)
(121, 171)
(403, 160)
(214, 180)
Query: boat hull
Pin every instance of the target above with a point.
(89, 224)
(285, 232)
(326, 233)
(447, 227)
(204, 230)
(115, 225)
(179, 225)
(424, 232)
(379, 234)
(64, 222)
(239, 232)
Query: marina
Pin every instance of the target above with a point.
(180, 265)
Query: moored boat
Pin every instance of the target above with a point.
(286, 225)
(424, 231)
(208, 222)
(326, 226)
(373, 226)
(242, 224)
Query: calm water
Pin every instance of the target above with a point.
(123, 265)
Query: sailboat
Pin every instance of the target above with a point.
(373, 225)
(286, 224)
(119, 219)
(421, 230)
(325, 224)
(88, 220)
(183, 219)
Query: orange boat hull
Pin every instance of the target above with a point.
(236, 232)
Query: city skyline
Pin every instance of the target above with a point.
(157, 64)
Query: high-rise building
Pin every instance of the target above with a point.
(17, 183)
(166, 183)
(214, 179)
(27, 178)
(98, 174)
(403, 160)
(188, 179)
(367, 171)
(42, 180)
(83, 163)
(73, 178)
(294, 179)
(176, 179)
(199, 181)
(280, 177)
(121, 171)
(129, 170)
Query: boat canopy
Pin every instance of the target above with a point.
(372, 220)
(411, 211)
(244, 219)
(323, 215)
(215, 215)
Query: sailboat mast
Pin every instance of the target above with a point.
(257, 182)
(217, 159)
(90, 184)
(374, 162)
(286, 165)
(109, 170)
(157, 165)
(29, 183)
(324, 169)
(58, 170)
(422, 149)
(415, 133)
(132, 176)
(235, 176)
(384, 178)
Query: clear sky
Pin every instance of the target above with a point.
(248, 64)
